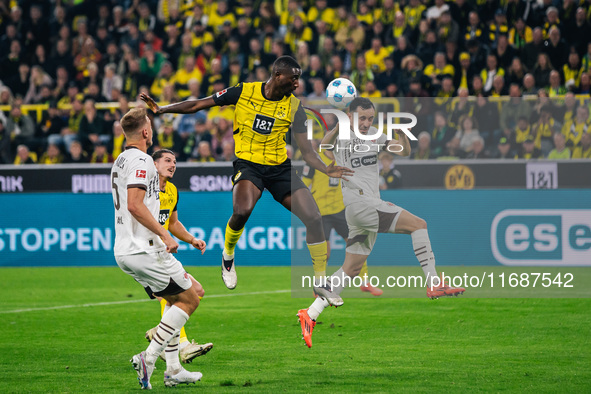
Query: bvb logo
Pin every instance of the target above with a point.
(459, 177)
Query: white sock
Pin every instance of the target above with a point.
(339, 281)
(424, 253)
(172, 355)
(170, 325)
(183, 345)
(317, 307)
(166, 308)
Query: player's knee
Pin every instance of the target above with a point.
(240, 216)
(421, 224)
(313, 219)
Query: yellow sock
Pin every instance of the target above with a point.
(318, 252)
(232, 237)
(163, 303)
(183, 337)
(364, 273)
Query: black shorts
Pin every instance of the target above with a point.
(338, 221)
(280, 180)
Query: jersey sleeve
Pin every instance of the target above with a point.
(228, 96)
(299, 120)
(138, 174)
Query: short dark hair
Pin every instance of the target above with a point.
(285, 63)
(159, 153)
(362, 102)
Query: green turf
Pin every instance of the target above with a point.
(368, 345)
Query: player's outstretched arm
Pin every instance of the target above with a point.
(331, 136)
(178, 230)
(311, 157)
(141, 213)
(183, 107)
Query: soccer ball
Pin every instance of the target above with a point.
(340, 92)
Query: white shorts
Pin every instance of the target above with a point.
(366, 219)
(159, 272)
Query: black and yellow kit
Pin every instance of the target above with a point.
(260, 128)
(169, 199)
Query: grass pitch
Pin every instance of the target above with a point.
(52, 342)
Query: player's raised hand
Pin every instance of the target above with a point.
(335, 171)
(150, 103)
(199, 244)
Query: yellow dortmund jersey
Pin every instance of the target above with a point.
(169, 199)
(326, 190)
(260, 124)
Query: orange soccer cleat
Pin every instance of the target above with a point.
(444, 290)
(307, 326)
(374, 291)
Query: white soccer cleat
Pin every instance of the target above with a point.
(330, 296)
(183, 377)
(143, 369)
(193, 350)
(229, 271)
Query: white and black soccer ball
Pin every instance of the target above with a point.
(340, 92)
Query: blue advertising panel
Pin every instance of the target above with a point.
(466, 227)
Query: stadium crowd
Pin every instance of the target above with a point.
(506, 79)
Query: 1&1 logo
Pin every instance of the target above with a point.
(542, 237)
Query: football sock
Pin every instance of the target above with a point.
(424, 253)
(339, 284)
(170, 325)
(364, 273)
(231, 239)
(317, 307)
(164, 307)
(171, 354)
(318, 252)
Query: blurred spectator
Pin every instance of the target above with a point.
(209, 78)
(353, 30)
(531, 50)
(486, 114)
(24, 156)
(504, 150)
(584, 150)
(76, 114)
(574, 129)
(100, 154)
(228, 151)
(165, 77)
(20, 83)
(515, 73)
(318, 91)
(52, 155)
(111, 81)
(490, 72)
(20, 126)
(5, 151)
(465, 73)
(478, 151)
(88, 54)
(556, 48)
(560, 150)
(544, 129)
(571, 71)
(467, 133)
(504, 52)
(168, 138)
(221, 133)
(390, 177)
(441, 135)
(204, 152)
(117, 142)
(151, 62)
(92, 126)
(555, 87)
(577, 34)
(51, 125)
(520, 34)
(423, 151)
(76, 154)
(182, 77)
(528, 150)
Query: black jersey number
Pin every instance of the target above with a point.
(263, 124)
(114, 185)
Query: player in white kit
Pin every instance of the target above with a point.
(143, 249)
(367, 214)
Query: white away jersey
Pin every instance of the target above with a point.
(134, 168)
(362, 157)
